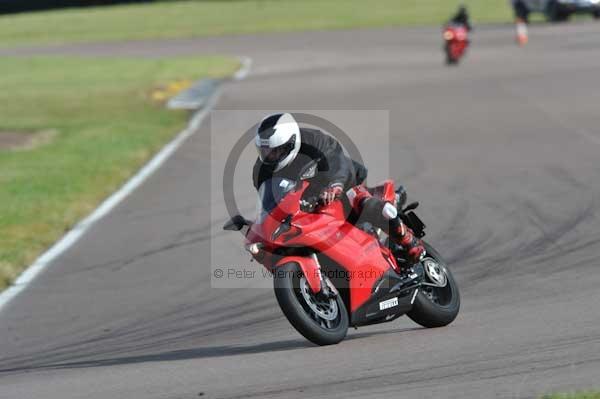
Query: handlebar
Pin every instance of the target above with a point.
(310, 204)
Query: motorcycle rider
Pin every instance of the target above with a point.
(462, 18)
(521, 21)
(520, 10)
(285, 149)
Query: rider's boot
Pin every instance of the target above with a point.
(383, 215)
(412, 247)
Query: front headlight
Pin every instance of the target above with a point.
(254, 248)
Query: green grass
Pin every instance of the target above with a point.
(106, 126)
(576, 395)
(182, 19)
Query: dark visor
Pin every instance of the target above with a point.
(275, 155)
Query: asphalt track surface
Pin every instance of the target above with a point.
(502, 152)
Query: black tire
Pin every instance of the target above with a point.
(286, 282)
(596, 14)
(449, 59)
(443, 310)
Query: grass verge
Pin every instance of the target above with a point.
(576, 395)
(105, 126)
(180, 19)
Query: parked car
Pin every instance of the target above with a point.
(561, 10)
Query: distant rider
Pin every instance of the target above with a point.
(521, 20)
(461, 18)
(284, 149)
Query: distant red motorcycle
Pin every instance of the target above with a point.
(329, 273)
(456, 41)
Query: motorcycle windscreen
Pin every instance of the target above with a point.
(270, 194)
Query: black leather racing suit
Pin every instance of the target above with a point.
(333, 165)
(462, 18)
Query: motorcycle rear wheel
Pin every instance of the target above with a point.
(321, 322)
(436, 306)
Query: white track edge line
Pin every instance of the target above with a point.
(105, 207)
(111, 202)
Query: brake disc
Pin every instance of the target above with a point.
(435, 273)
(323, 309)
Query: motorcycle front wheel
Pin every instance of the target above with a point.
(450, 58)
(438, 301)
(323, 322)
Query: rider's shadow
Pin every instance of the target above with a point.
(199, 353)
(185, 354)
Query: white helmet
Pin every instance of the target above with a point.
(278, 140)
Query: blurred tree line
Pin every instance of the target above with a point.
(13, 6)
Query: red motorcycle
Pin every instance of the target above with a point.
(456, 41)
(329, 273)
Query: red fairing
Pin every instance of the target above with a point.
(385, 191)
(309, 267)
(360, 254)
(456, 37)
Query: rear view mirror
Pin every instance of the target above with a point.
(236, 223)
(410, 207)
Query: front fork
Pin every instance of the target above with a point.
(311, 268)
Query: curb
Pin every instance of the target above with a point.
(196, 96)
